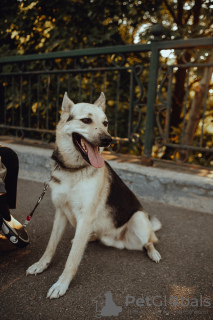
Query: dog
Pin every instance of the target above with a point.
(88, 193)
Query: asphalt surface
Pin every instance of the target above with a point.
(179, 287)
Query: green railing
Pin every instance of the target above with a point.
(138, 83)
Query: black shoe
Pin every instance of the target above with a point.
(12, 229)
(6, 245)
(15, 232)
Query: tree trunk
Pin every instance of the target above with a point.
(179, 92)
(177, 100)
(197, 102)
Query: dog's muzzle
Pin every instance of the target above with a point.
(91, 152)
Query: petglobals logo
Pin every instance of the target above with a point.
(105, 306)
(158, 301)
(110, 304)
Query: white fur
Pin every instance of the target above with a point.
(81, 197)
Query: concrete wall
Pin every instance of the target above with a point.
(159, 185)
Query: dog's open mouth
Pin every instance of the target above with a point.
(89, 152)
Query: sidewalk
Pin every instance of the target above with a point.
(185, 272)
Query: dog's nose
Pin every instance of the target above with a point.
(105, 140)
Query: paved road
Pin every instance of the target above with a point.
(143, 289)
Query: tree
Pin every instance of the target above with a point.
(181, 20)
(41, 26)
(8, 27)
(197, 102)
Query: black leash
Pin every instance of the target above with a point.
(29, 217)
(46, 186)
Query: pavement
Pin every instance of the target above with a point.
(179, 287)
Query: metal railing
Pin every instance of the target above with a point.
(138, 84)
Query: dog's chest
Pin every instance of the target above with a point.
(75, 192)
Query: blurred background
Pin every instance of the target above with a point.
(49, 47)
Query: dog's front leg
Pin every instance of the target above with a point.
(83, 231)
(59, 225)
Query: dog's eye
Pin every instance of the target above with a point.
(105, 123)
(86, 120)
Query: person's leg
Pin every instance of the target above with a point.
(12, 229)
(10, 159)
(5, 244)
(4, 207)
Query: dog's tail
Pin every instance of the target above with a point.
(156, 224)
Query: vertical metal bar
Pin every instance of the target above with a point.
(91, 88)
(57, 98)
(185, 104)
(21, 88)
(68, 85)
(204, 110)
(131, 98)
(117, 104)
(47, 106)
(79, 92)
(13, 94)
(38, 96)
(151, 98)
(5, 101)
(29, 103)
(168, 107)
(104, 81)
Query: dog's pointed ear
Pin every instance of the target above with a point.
(67, 103)
(101, 102)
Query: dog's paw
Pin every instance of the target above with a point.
(57, 290)
(36, 268)
(154, 255)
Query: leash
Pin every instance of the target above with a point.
(46, 186)
(18, 235)
(29, 217)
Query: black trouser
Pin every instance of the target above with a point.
(10, 160)
(15, 233)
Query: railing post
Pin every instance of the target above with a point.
(151, 97)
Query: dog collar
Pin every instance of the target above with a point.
(56, 156)
(60, 166)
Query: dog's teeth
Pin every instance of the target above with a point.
(83, 145)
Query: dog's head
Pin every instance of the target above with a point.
(82, 132)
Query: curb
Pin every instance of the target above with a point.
(174, 188)
(158, 185)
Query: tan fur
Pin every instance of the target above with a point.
(123, 234)
(153, 238)
(81, 198)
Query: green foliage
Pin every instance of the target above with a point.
(44, 26)
(39, 26)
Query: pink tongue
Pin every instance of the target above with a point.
(94, 157)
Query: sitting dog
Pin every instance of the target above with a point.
(88, 193)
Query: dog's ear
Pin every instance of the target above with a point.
(67, 103)
(101, 102)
